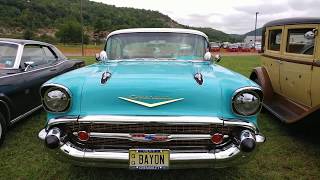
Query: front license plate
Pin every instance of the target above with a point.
(149, 159)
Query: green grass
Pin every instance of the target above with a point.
(291, 152)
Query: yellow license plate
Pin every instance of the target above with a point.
(149, 159)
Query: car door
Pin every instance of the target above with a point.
(315, 85)
(296, 68)
(42, 69)
(272, 59)
(12, 85)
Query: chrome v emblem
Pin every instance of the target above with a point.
(150, 105)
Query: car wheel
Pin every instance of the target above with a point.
(3, 128)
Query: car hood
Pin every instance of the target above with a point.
(153, 88)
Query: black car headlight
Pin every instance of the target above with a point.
(56, 99)
(247, 101)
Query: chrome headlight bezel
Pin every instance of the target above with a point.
(46, 89)
(249, 92)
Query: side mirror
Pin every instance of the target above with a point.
(102, 56)
(28, 65)
(309, 35)
(217, 57)
(208, 56)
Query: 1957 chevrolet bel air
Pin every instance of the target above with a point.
(155, 100)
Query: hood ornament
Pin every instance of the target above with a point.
(133, 99)
(198, 77)
(105, 77)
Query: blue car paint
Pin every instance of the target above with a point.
(172, 79)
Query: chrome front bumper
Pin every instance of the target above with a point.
(228, 156)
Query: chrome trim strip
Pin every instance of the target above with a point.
(24, 115)
(59, 86)
(151, 119)
(33, 70)
(173, 120)
(127, 136)
(155, 60)
(158, 30)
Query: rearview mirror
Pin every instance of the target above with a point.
(102, 56)
(28, 65)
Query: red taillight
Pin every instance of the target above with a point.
(217, 138)
(83, 136)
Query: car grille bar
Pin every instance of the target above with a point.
(118, 132)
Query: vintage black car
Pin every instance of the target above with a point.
(24, 66)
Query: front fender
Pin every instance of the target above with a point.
(260, 76)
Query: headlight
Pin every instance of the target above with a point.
(56, 99)
(246, 102)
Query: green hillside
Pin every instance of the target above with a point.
(44, 18)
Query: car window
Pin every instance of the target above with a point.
(50, 57)
(35, 54)
(274, 39)
(8, 53)
(299, 42)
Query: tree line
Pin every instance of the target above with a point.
(64, 16)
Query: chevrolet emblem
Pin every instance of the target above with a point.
(150, 105)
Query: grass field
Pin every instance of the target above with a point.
(291, 152)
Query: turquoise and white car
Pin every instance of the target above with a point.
(156, 99)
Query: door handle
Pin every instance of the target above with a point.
(280, 62)
(53, 69)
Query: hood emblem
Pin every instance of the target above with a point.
(141, 137)
(133, 99)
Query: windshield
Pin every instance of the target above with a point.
(8, 53)
(156, 46)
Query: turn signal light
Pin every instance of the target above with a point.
(217, 138)
(83, 136)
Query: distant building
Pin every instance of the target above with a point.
(250, 39)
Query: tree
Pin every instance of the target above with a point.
(28, 34)
(69, 32)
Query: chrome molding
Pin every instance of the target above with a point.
(171, 120)
(40, 69)
(171, 137)
(155, 60)
(24, 115)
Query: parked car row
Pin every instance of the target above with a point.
(157, 99)
(24, 66)
(235, 47)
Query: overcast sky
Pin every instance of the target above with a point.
(230, 16)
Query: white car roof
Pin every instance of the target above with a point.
(166, 30)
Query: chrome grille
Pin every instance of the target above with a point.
(100, 143)
(149, 128)
(146, 128)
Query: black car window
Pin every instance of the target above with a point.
(274, 39)
(50, 57)
(299, 42)
(8, 53)
(35, 54)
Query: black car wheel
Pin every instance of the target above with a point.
(3, 128)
